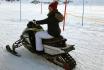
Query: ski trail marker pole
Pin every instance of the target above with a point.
(64, 14)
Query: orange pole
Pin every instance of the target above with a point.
(64, 14)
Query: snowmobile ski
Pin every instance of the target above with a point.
(11, 51)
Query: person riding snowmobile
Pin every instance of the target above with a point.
(52, 21)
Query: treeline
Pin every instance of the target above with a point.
(11, 0)
(60, 1)
(39, 1)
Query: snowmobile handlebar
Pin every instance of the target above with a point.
(32, 24)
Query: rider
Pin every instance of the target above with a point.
(52, 21)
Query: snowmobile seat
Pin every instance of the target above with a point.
(56, 41)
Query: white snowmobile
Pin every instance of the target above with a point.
(56, 50)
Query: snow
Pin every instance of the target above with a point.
(88, 39)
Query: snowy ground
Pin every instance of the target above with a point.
(89, 53)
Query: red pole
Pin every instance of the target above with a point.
(65, 14)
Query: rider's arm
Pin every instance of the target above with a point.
(42, 21)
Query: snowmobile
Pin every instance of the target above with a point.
(55, 50)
